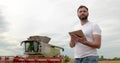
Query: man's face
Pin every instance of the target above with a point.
(82, 13)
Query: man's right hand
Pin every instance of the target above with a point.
(72, 42)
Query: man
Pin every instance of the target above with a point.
(85, 51)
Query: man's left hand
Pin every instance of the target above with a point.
(78, 39)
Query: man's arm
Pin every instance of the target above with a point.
(95, 44)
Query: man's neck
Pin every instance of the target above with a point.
(83, 22)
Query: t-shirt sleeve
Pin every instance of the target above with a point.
(96, 29)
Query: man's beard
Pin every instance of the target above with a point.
(83, 18)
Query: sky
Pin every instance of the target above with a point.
(20, 19)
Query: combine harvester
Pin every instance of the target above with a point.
(38, 50)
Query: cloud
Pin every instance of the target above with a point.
(106, 14)
(55, 19)
(3, 29)
(3, 23)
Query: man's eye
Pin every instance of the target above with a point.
(80, 11)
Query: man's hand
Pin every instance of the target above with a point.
(72, 41)
(78, 38)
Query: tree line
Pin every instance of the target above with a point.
(101, 58)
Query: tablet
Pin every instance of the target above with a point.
(79, 33)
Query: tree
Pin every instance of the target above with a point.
(101, 58)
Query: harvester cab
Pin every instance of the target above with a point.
(31, 46)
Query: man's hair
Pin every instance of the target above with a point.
(82, 6)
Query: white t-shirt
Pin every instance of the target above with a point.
(89, 29)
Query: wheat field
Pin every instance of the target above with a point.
(109, 61)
